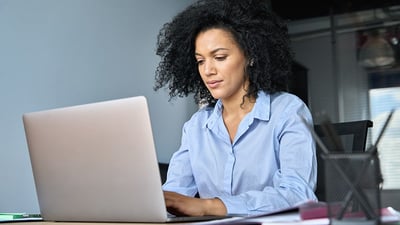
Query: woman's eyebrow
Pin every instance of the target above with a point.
(213, 51)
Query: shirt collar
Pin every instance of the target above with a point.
(216, 113)
(261, 110)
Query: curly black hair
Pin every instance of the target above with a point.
(258, 31)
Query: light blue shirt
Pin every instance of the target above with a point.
(270, 165)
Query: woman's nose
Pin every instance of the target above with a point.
(209, 68)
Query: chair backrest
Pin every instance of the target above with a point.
(163, 171)
(353, 136)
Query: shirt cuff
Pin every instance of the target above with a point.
(234, 204)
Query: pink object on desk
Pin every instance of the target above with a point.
(316, 210)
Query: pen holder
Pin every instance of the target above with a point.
(352, 188)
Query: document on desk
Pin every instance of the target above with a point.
(292, 216)
(15, 217)
(286, 219)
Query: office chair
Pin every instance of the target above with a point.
(353, 136)
(163, 167)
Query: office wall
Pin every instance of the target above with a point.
(337, 87)
(67, 52)
(336, 81)
(316, 55)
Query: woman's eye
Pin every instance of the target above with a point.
(220, 58)
(199, 62)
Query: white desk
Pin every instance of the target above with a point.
(290, 218)
(77, 223)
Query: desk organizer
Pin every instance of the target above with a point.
(352, 188)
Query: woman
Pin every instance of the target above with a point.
(247, 151)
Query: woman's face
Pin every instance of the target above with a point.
(221, 64)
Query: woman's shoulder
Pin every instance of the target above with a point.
(286, 103)
(286, 97)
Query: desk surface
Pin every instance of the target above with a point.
(271, 220)
(286, 218)
(75, 223)
(218, 221)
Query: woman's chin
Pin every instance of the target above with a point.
(216, 94)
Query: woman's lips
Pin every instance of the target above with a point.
(214, 83)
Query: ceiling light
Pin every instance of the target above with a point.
(376, 51)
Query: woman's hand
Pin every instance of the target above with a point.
(181, 205)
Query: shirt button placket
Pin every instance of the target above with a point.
(228, 173)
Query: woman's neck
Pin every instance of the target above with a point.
(237, 107)
(233, 112)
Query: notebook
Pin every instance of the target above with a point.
(97, 162)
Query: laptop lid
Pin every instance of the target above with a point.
(96, 162)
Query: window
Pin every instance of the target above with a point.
(383, 97)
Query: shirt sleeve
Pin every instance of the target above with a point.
(179, 176)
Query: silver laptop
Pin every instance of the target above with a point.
(97, 162)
